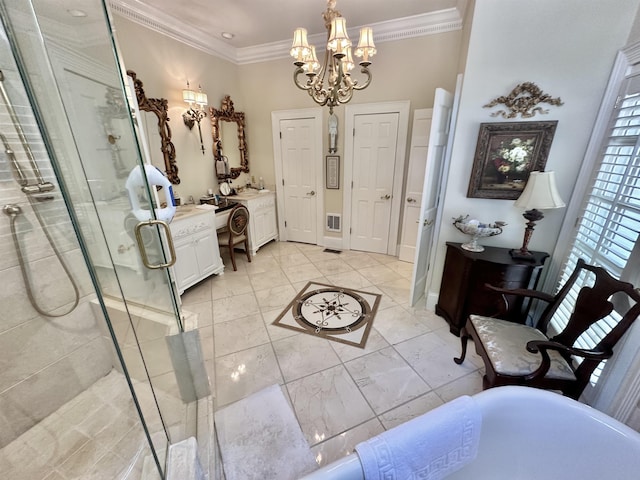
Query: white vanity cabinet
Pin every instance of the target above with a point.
(263, 224)
(196, 245)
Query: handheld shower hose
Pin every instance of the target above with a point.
(31, 191)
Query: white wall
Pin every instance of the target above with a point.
(567, 48)
(164, 65)
(407, 69)
(402, 70)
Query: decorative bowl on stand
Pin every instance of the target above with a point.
(476, 229)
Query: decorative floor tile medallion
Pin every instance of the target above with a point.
(335, 313)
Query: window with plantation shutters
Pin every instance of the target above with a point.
(608, 228)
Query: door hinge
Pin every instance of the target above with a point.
(283, 182)
(617, 104)
(280, 135)
(351, 184)
(285, 224)
(354, 131)
(350, 230)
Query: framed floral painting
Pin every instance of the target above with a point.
(505, 155)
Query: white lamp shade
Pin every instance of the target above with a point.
(540, 192)
(201, 99)
(347, 62)
(338, 39)
(189, 96)
(300, 46)
(366, 47)
(311, 64)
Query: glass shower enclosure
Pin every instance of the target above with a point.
(92, 383)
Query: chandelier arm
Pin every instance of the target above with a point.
(319, 95)
(357, 86)
(302, 86)
(320, 100)
(344, 95)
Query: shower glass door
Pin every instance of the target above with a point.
(61, 72)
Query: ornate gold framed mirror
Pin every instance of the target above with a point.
(229, 146)
(159, 107)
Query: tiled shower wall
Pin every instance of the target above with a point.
(44, 362)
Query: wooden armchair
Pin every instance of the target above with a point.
(236, 233)
(516, 354)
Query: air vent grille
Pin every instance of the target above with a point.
(334, 222)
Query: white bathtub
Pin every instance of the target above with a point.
(534, 434)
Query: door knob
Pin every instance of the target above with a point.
(428, 222)
(385, 197)
(411, 200)
(311, 193)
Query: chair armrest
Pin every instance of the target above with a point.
(542, 346)
(522, 292)
(518, 292)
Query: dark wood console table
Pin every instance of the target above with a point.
(463, 290)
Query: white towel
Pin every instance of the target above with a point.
(206, 206)
(428, 447)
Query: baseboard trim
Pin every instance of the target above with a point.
(432, 300)
(334, 243)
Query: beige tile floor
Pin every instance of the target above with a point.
(95, 436)
(341, 394)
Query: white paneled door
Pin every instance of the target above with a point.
(438, 139)
(299, 179)
(374, 160)
(415, 183)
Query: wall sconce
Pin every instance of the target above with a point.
(195, 115)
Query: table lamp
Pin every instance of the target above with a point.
(540, 193)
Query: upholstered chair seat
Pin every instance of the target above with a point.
(504, 342)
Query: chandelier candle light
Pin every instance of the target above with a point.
(338, 61)
(195, 115)
(540, 193)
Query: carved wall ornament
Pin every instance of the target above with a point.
(523, 100)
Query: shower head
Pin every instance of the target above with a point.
(12, 209)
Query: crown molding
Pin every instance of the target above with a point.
(441, 21)
(163, 24)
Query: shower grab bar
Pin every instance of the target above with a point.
(41, 186)
(22, 179)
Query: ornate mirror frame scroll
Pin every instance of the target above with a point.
(227, 113)
(160, 107)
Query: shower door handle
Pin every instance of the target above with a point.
(143, 251)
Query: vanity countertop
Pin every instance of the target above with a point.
(184, 211)
(249, 194)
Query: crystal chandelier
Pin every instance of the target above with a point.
(338, 62)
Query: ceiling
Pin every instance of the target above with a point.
(263, 29)
(256, 22)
